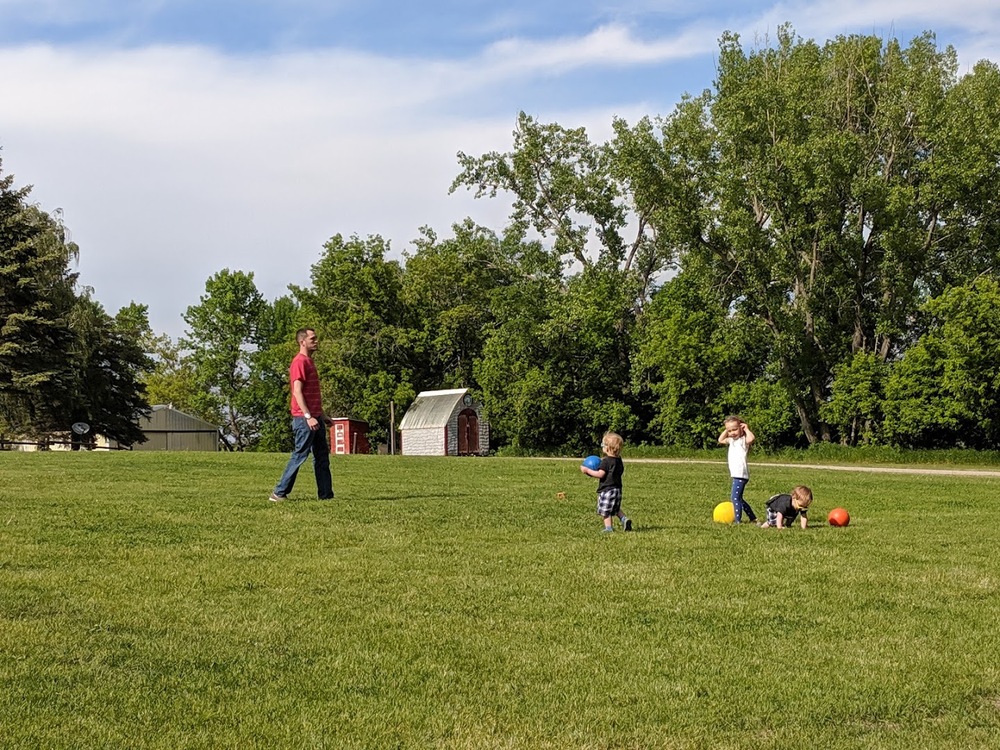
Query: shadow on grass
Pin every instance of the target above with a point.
(354, 499)
(637, 529)
(413, 496)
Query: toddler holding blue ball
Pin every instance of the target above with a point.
(609, 486)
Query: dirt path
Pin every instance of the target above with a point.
(831, 467)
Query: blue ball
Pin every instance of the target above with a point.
(592, 462)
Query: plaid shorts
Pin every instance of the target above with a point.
(772, 518)
(609, 502)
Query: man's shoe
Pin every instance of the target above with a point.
(277, 498)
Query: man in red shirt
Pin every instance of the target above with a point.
(309, 423)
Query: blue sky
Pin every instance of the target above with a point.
(179, 138)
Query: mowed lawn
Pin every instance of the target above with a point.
(160, 601)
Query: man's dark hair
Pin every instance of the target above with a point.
(301, 334)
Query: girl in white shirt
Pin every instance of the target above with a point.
(738, 436)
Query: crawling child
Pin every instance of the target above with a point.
(782, 509)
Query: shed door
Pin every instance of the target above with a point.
(468, 432)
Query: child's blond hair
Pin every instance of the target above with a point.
(612, 443)
(804, 495)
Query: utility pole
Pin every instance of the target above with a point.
(392, 428)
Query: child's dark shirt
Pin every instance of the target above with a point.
(613, 469)
(783, 504)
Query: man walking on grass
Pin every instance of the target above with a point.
(309, 423)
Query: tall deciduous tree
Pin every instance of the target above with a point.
(366, 355)
(946, 389)
(223, 334)
(856, 400)
(833, 189)
(558, 180)
(173, 380)
(554, 370)
(595, 201)
(268, 394)
(557, 372)
(452, 288)
(699, 364)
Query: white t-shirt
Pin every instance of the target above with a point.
(738, 468)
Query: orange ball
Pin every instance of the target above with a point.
(838, 517)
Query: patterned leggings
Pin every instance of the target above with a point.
(739, 504)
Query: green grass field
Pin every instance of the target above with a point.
(158, 600)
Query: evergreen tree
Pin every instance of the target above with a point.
(36, 297)
(62, 358)
(109, 362)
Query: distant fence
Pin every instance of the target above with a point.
(44, 445)
(47, 444)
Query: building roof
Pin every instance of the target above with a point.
(165, 418)
(432, 409)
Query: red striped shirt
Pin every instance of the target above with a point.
(302, 368)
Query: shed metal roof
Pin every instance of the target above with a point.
(165, 418)
(432, 409)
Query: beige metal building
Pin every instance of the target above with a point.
(167, 429)
(444, 423)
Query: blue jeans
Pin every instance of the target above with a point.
(739, 504)
(308, 441)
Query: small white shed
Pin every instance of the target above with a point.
(444, 423)
(167, 429)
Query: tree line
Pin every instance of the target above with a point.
(63, 359)
(811, 242)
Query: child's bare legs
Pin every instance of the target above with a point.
(607, 523)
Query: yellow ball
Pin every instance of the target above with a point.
(723, 513)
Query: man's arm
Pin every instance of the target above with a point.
(312, 419)
(323, 417)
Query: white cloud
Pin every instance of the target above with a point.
(891, 18)
(172, 163)
(170, 167)
(608, 45)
